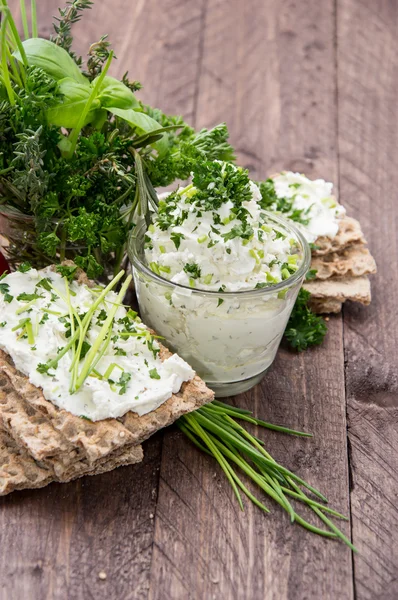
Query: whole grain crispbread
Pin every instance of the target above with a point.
(65, 446)
(18, 470)
(349, 233)
(325, 305)
(354, 261)
(48, 432)
(341, 289)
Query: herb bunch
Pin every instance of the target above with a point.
(215, 429)
(80, 154)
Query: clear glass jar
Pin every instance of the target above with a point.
(229, 338)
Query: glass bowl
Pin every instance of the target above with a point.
(229, 338)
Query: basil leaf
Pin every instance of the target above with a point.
(142, 122)
(53, 59)
(113, 92)
(75, 97)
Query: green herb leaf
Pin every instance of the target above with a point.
(24, 297)
(67, 271)
(24, 267)
(53, 59)
(153, 374)
(123, 382)
(304, 328)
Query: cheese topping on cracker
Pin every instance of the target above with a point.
(51, 328)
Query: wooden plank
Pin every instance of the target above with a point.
(268, 69)
(368, 116)
(59, 539)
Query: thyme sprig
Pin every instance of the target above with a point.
(215, 430)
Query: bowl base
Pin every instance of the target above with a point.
(233, 388)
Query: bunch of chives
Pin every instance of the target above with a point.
(214, 429)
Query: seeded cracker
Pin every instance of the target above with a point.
(47, 444)
(354, 261)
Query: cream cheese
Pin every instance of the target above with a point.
(208, 240)
(35, 326)
(220, 244)
(315, 199)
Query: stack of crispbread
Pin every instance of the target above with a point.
(40, 443)
(342, 267)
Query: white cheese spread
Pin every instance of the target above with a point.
(35, 327)
(312, 204)
(214, 236)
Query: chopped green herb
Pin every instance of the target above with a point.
(24, 297)
(24, 267)
(193, 270)
(84, 349)
(176, 238)
(45, 283)
(120, 352)
(311, 274)
(123, 382)
(153, 374)
(101, 316)
(304, 328)
(67, 271)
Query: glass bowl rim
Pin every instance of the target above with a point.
(141, 227)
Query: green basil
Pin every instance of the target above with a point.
(113, 92)
(75, 98)
(53, 59)
(143, 123)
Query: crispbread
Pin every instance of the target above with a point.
(18, 470)
(349, 233)
(65, 446)
(341, 289)
(61, 440)
(49, 433)
(325, 305)
(354, 261)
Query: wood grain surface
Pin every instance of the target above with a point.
(309, 86)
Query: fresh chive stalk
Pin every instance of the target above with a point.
(104, 334)
(34, 18)
(24, 19)
(214, 429)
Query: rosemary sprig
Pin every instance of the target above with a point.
(214, 429)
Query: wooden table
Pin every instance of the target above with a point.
(304, 85)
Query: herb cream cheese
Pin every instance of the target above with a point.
(39, 314)
(224, 275)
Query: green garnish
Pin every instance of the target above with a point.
(176, 238)
(270, 201)
(123, 382)
(101, 316)
(4, 289)
(24, 297)
(45, 283)
(193, 270)
(24, 267)
(215, 429)
(153, 374)
(304, 328)
(26, 329)
(3, 323)
(120, 352)
(67, 271)
(311, 274)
